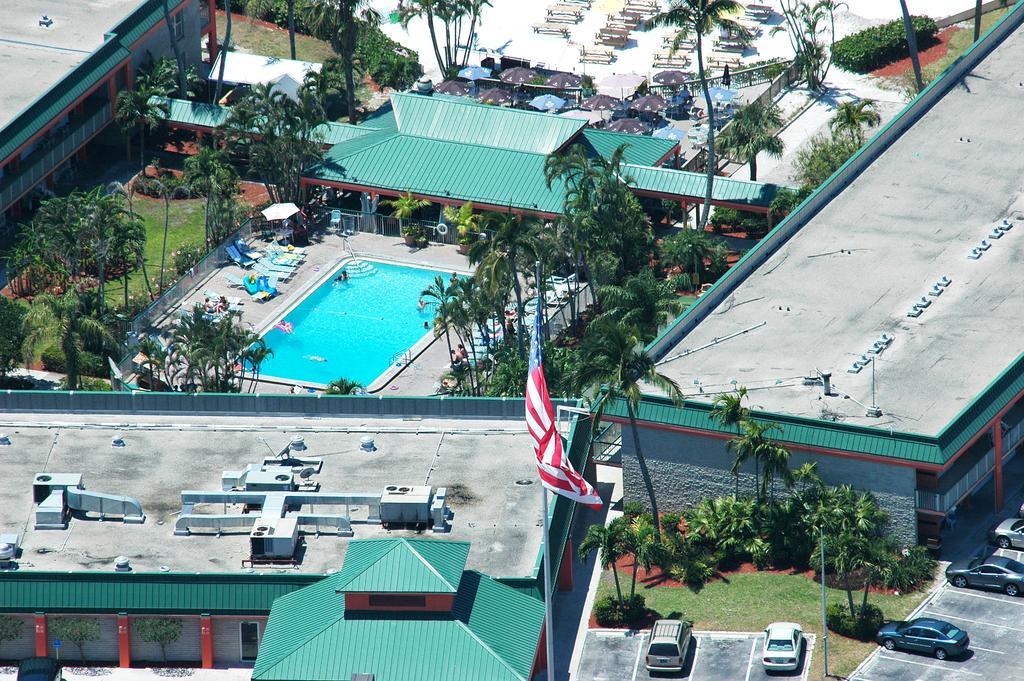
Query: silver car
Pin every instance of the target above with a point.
(1008, 534)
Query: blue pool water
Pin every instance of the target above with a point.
(352, 329)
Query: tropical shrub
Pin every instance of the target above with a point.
(877, 46)
(12, 334)
(186, 257)
(820, 157)
(610, 613)
(908, 570)
(91, 363)
(862, 627)
(754, 224)
(387, 62)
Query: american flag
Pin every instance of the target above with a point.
(556, 471)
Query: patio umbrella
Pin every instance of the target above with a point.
(600, 103)
(671, 77)
(721, 95)
(564, 80)
(669, 133)
(517, 75)
(620, 84)
(547, 103)
(452, 87)
(280, 211)
(631, 125)
(726, 78)
(579, 114)
(495, 96)
(474, 73)
(649, 104)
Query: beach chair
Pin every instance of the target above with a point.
(238, 258)
(244, 249)
(234, 281)
(285, 273)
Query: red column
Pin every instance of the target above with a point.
(206, 640)
(565, 568)
(40, 634)
(124, 642)
(997, 435)
(540, 660)
(112, 89)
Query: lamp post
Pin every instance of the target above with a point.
(824, 621)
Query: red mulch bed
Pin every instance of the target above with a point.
(249, 20)
(933, 53)
(254, 193)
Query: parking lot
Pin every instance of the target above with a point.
(994, 622)
(610, 655)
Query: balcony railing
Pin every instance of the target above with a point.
(979, 472)
(51, 154)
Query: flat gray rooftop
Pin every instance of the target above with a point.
(854, 271)
(478, 461)
(35, 57)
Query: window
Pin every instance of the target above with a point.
(179, 25)
(927, 633)
(249, 634)
(914, 631)
(780, 645)
(990, 570)
(397, 601)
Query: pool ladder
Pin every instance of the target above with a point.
(402, 356)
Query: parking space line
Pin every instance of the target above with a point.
(965, 619)
(925, 664)
(636, 662)
(987, 650)
(693, 662)
(971, 594)
(750, 662)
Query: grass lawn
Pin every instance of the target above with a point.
(185, 227)
(751, 601)
(959, 43)
(257, 39)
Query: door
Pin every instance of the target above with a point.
(250, 635)
(1017, 534)
(990, 576)
(914, 639)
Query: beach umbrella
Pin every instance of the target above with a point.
(579, 114)
(669, 133)
(620, 84)
(649, 104)
(721, 95)
(474, 73)
(564, 80)
(726, 78)
(631, 125)
(671, 77)
(495, 96)
(547, 103)
(600, 103)
(452, 87)
(517, 75)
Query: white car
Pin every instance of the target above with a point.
(783, 647)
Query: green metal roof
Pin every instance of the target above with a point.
(142, 592)
(333, 133)
(795, 430)
(83, 77)
(490, 635)
(197, 114)
(442, 169)
(402, 566)
(671, 182)
(462, 120)
(640, 149)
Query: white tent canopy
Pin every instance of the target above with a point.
(250, 69)
(620, 85)
(280, 211)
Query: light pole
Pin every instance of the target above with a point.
(824, 621)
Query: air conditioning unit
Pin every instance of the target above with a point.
(47, 483)
(8, 551)
(270, 479)
(274, 538)
(405, 505)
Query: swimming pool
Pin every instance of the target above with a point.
(351, 329)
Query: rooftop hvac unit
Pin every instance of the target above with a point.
(271, 479)
(274, 538)
(8, 551)
(46, 483)
(404, 505)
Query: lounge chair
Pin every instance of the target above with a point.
(234, 281)
(284, 273)
(335, 219)
(238, 258)
(244, 249)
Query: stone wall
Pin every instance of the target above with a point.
(686, 468)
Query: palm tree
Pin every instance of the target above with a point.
(851, 117)
(774, 464)
(340, 22)
(728, 410)
(613, 361)
(136, 111)
(404, 207)
(751, 444)
(607, 541)
(255, 355)
(687, 249)
(224, 49)
(753, 131)
(182, 80)
(261, 8)
(699, 18)
(908, 27)
(643, 301)
(156, 357)
(642, 538)
(512, 241)
(977, 19)
(63, 318)
(441, 293)
(343, 386)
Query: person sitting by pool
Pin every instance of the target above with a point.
(462, 353)
(223, 305)
(456, 359)
(209, 307)
(455, 279)
(421, 305)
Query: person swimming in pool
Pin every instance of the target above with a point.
(421, 305)
(316, 358)
(343, 277)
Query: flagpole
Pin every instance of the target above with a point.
(549, 626)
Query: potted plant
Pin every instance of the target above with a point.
(421, 240)
(403, 208)
(466, 224)
(412, 234)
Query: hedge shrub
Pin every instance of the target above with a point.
(91, 364)
(863, 628)
(877, 46)
(609, 613)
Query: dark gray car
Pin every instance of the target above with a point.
(994, 572)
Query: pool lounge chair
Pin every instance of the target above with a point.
(283, 273)
(279, 267)
(234, 281)
(244, 249)
(238, 258)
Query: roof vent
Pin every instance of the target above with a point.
(826, 383)
(996, 233)
(855, 368)
(118, 441)
(5, 440)
(366, 444)
(45, 21)
(936, 290)
(424, 86)
(984, 245)
(943, 282)
(298, 443)
(7, 552)
(974, 254)
(1006, 225)
(122, 564)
